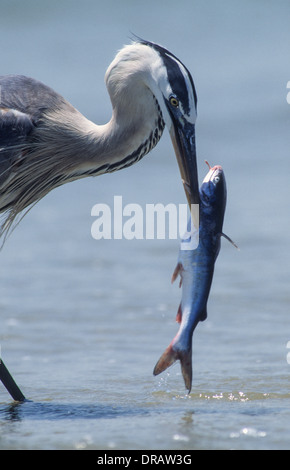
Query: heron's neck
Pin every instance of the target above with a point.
(124, 140)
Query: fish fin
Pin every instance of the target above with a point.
(177, 271)
(171, 355)
(179, 314)
(203, 315)
(230, 240)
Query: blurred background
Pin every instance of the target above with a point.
(84, 321)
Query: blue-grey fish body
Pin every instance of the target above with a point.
(196, 267)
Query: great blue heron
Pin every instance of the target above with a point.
(45, 142)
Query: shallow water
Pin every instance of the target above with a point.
(83, 322)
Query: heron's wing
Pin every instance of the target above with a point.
(15, 126)
(27, 170)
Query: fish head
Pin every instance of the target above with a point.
(213, 194)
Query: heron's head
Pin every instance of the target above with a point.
(165, 77)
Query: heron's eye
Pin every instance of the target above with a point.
(174, 102)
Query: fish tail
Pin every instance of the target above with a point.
(171, 355)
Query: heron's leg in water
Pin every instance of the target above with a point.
(9, 383)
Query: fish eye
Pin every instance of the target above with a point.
(174, 102)
(216, 178)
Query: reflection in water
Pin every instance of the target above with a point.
(11, 412)
(59, 411)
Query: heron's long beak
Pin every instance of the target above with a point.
(183, 139)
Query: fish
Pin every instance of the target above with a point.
(196, 260)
